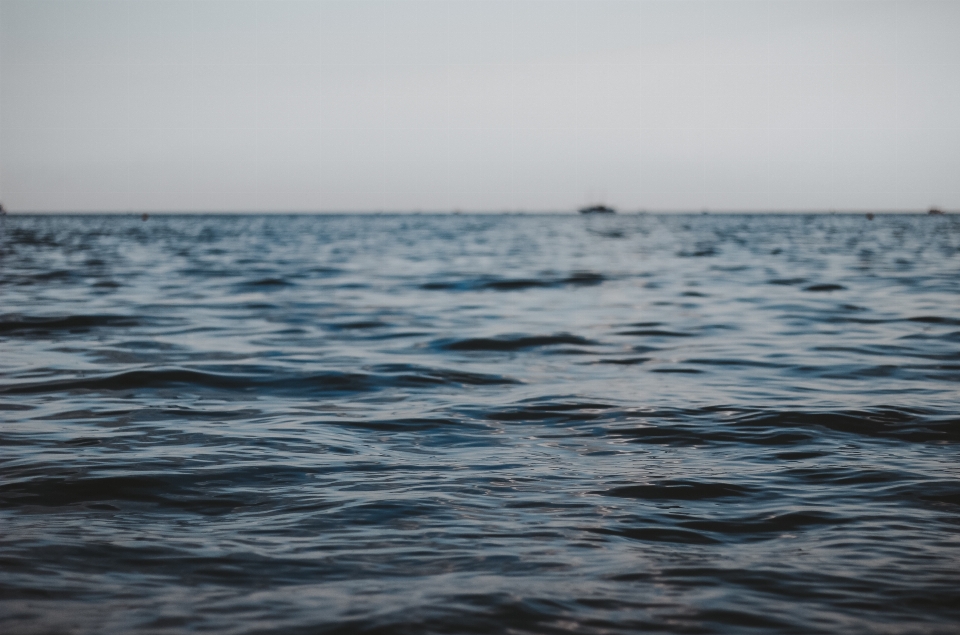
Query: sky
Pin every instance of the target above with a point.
(479, 105)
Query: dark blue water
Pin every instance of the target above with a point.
(473, 424)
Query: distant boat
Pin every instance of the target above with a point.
(597, 209)
(935, 212)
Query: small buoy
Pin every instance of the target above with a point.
(869, 216)
(145, 217)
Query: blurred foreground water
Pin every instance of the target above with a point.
(470, 424)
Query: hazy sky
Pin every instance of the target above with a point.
(537, 105)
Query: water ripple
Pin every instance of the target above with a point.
(446, 424)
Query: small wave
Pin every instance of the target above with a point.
(733, 362)
(612, 233)
(677, 490)
(624, 361)
(24, 236)
(698, 252)
(514, 285)
(817, 288)
(907, 425)
(83, 442)
(138, 379)
(935, 319)
(767, 524)
(181, 492)
(267, 282)
(658, 534)
(57, 275)
(937, 492)
(279, 383)
(555, 412)
(411, 375)
(842, 476)
(655, 333)
(779, 428)
(799, 456)
(440, 286)
(575, 279)
(409, 424)
(50, 325)
(509, 343)
(584, 278)
(948, 337)
(15, 407)
(358, 325)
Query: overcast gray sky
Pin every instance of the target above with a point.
(478, 105)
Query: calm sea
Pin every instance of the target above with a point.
(480, 424)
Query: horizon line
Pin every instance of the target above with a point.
(632, 212)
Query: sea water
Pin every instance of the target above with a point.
(473, 424)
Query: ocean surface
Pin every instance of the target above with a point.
(407, 424)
